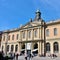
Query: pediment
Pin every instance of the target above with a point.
(32, 24)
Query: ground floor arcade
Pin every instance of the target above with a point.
(36, 47)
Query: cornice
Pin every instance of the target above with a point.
(53, 39)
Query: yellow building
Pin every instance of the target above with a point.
(36, 36)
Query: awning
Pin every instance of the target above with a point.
(34, 50)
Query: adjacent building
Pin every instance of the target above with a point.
(36, 36)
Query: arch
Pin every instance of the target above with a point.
(16, 48)
(48, 47)
(35, 49)
(23, 49)
(35, 46)
(7, 48)
(55, 47)
(23, 46)
(12, 47)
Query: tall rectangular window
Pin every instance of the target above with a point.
(9, 37)
(55, 31)
(12, 47)
(3, 38)
(29, 34)
(35, 33)
(17, 36)
(12, 37)
(23, 34)
(47, 32)
(7, 47)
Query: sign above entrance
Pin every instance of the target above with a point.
(28, 46)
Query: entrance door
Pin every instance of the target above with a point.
(28, 52)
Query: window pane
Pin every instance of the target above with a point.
(47, 32)
(7, 47)
(29, 34)
(55, 31)
(47, 47)
(56, 48)
(35, 33)
(2, 48)
(17, 36)
(9, 37)
(12, 47)
(3, 38)
(23, 34)
(12, 37)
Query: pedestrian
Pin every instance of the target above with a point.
(16, 56)
(25, 56)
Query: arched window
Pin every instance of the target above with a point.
(23, 46)
(55, 47)
(47, 47)
(12, 47)
(16, 48)
(7, 47)
(35, 46)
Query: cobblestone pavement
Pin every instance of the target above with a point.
(39, 58)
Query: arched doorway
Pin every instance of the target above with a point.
(23, 49)
(35, 49)
(47, 47)
(55, 47)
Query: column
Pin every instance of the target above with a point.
(51, 47)
(43, 48)
(39, 48)
(26, 35)
(32, 34)
(19, 47)
(32, 46)
(39, 32)
(25, 48)
(59, 48)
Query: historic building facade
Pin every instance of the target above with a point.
(36, 36)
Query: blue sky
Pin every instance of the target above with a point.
(13, 13)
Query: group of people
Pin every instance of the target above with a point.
(12, 56)
(30, 56)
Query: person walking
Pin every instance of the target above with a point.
(25, 56)
(16, 56)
